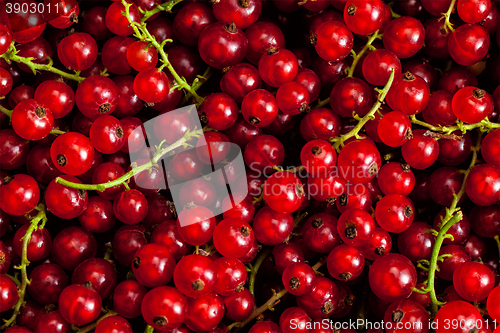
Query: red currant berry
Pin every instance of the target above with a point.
(99, 272)
(378, 65)
(320, 233)
(233, 238)
(345, 262)
(239, 305)
(351, 95)
(32, 120)
(404, 36)
(242, 13)
(142, 56)
(79, 304)
(333, 41)
(318, 157)
(259, 108)
(394, 213)
(151, 85)
(483, 185)
(473, 281)
(195, 275)
(127, 298)
(57, 96)
(392, 277)
(204, 312)
(107, 135)
(355, 226)
(283, 192)
(460, 230)
(113, 324)
(459, 311)
(394, 129)
(468, 44)
(492, 304)
(219, 111)
(263, 152)
(359, 162)
(320, 123)
(471, 105)
(364, 17)
(153, 265)
(271, 227)
(39, 245)
(9, 295)
(164, 308)
(454, 256)
(322, 301)
(190, 21)
(380, 243)
(278, 66)
(196, 225)
(5, 82)
(263, 36)
(299, 279)
(421, 151)
(96, 95)
(77, 51)
(490, 148)
(404, 314)
(416, 242)
(66, 202)
(117, 23)
(409, 94)
(130, 207)
(244, 209)
(19, 194)
(473, 11)
(485, 221)
(231, 276)
(292, 98)
(72, 246)
(47, 283)
(5, 39)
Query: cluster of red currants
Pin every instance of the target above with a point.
(392, 211)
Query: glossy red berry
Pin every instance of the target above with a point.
(468, 44)
(394, 129)
(473, 281)
(5, 82)
(106, 134)
(96, 95)
(79, 305)
(117, 23)
(377, 66)
(473, 11)
(233, 238)
(483, 185)
(409, 94)
(322, 301)
(113, 324)
(242, 13)
(294, 319)
(380, 243)
(151, 85)
(359, 162)
(190, 21)
(19, 194)
(219, 111)
(278, 66)
(164, 308)
(263, 152)
(13, 150)
(320, 233)
(259, 108)
(130, 207)
(77, 51)
(320, 123)
(8, 292)
(5, 39)
(153, 265)
(318, 157)
(351, 95)
(471, 105)
(364, 17)
(490, 148)
(394, 213)
(283, 192)
(416, 242)
(231, 276)
(261, 37)
(204, 312)
(332, 40)
(460, 230)
(239, 305)
(299, 279)
(396, 178)
(196, 225)
(404, 36)
(421, 151)
(222, 45)
(39, 245)
(403, 314)
(195, 275)
(485, 221)
(57, 96)
(492, 304)
(142, 56)
(99, 272)
(392, 277)
(292, 98)
(244, 209)
(72, 246)
(66, 202)
(47, 283)
(127, 298)
(32, 120)
(271, 227)
(345, 262)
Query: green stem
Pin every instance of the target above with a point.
(6, 111)
(90, 327)
(370, 115)
(255, 268)
(166, 7)
(447, 24)
(484, 125)
(135, 170)
(149, 329)
(497, 240)
(197, 83)
(322, 103)
(357, 56)
(143, 33)
(11, 55)
(37, 222)
(452, 216)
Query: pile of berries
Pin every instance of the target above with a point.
(368, 189)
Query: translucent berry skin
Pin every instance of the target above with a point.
(6, 82)
(351, 95)
(471, 104)
(277, 67)
(195, 275)
(299, 279)
(468, 44)
(127, 298)
(318, 157)
(473, 281)
(5, 39)
(77, 51)
(333, 41)
(233, 238)
(118, 23)
(196, 225)
(130, 207)
(359, 162)
(96, 95)
(263, 152)
(106, 135)
(219, 110)
(222, 45)
(320, 123)
(292, 98)
(113, 324)
(99, 272)
(377, 66)
(394, 129)
(142, 56)
(379, 244)
(492, 304)
(416, 243)
(483, 185)
(364, 17)
(409, 94)
(490, 148)
(392, 277)
(204, 312)
(261, 37)
(231, 276)
(243, 16)
(47, 283)
(19, 195)
(485, 221)
(320, 233)
(57, 96)
(396, 178)
(39, 245)
(66, 202)
(164, 308)
(473, 11)
(460, 311)
(32, 120)
(406, 313)
(270, 227)
(259, 108)
(151, 85)
(345, 262)
(404, 36)
(322, 301)
(79, 305)
(421, 151)
(190, 21)
(239, 305)
(153, 265)
(355, 227)
(9, 295)
(394, 213)
(283, 192)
